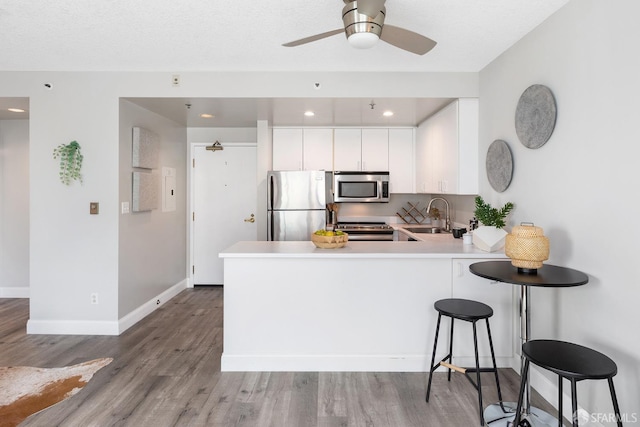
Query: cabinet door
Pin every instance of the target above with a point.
(287, 149)
(401, 161)
(500, 297)
(347, 150)
(317, 149)
(375, 150)
(468, 111)
(446, 146)
(447, 150)
(426, 157)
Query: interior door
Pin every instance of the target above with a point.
(224, 206)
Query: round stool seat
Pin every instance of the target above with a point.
(463, 309)
(569, 360)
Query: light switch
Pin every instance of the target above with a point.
(94, 208)
(124, 208)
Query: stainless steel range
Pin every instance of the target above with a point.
(366, 231)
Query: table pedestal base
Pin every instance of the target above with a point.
(496, 416)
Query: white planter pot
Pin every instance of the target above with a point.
(489, 238)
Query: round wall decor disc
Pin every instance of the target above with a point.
(499, 165)
(535, 116)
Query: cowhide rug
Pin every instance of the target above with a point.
(25, 390)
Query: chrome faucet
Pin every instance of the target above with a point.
(447, 220)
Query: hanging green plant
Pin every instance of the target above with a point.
(70, 161)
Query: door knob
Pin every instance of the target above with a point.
(252, 219)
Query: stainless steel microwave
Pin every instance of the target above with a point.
(361, 187)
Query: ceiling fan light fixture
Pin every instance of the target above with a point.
(362, 31)
(363, 28)
(363, 40)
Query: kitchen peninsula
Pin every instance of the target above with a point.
(365, 307)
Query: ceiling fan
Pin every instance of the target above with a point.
(364, 25)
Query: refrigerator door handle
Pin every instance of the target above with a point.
(270, 226)
(270, 201)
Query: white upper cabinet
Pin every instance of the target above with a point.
(287, 149)
(361, 150)
(302, 149)
(447, 150)
(317, 149)
(347, 149)
(375, 150)
(401, 161)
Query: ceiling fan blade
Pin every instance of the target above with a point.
(407, 40)
(371, 8)
(314, 38)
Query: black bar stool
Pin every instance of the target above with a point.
(573, 362)
(468, 311)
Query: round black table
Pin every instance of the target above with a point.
(551, 276)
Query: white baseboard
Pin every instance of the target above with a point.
(341, 363)
(321, 363)
(150, 306)
(88, 327)
(14, 292)
(71, 327)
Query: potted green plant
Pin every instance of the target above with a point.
(434, 215)
(490, 236)
(70, 162)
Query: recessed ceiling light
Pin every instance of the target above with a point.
(207, 116)
(16, 110)
(388, 113)
(309, 113)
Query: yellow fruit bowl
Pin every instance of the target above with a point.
(329, 242)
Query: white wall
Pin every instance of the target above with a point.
(152, 244)
(74, 254)
(14, 208)
(582, 186)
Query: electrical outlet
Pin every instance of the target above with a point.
(94, 298)
(94, 208)
(175, 80)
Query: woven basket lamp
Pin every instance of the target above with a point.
(527, 247)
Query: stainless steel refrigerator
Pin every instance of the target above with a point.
(297, 203)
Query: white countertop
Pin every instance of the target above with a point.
(432, 246)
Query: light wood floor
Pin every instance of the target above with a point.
(166, 372)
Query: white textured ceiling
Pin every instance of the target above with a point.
(189, 35)
(247, 35)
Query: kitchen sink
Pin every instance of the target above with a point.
(426, 230)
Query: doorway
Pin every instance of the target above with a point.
(223, 205)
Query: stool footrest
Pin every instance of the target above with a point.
(453, 367)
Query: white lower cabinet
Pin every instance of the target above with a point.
(500, 297)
